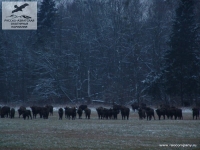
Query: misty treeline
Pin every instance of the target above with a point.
(111, 50)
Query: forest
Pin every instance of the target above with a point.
(115, 51)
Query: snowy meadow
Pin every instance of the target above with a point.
(75, 134)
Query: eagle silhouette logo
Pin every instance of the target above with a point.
(19, 8)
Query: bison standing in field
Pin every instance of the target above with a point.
(35, 111)
(50, 109)
(195, 112)
(21, 110)
(150, 113)
(60, 113)
(125, 111)
(106, 113)
(12, 113)
(79, 112)
(141, 113)
(100, 112)
(70, 112)
(174, 112)
(83, 107)
(27, 114)
(115, 113)
(135, 106)
(40, 111)
(161, 112)
(87, 113)
(179, 114)
(45, 112)
(5, 111)
(117, 107)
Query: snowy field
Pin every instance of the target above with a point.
(54, 134)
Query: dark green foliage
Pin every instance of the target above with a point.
(46, 20)
(181, 70)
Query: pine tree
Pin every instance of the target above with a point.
(181, 62)
(46, 20)
(44, 50)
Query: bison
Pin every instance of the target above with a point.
(125, 111)
(115, 113)
(60, 113)
(135, 106)
(150, 113)
(83, 107)
(87, 113)
(141, 113)
(179, 114)
(27, 114)
(21, 110)
(5, 111)
(161, 112)
(117, 107)
(106, 113)
(12, 113)
(70, 112)
(45, 112)
(79, 112)
(100, 112)
(174, 112)
(195, 113)
(50, 109)
(35, 111)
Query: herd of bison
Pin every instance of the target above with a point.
(163, 111)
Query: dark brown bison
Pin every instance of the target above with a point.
(21, 110)
(60, 113)
(135, 106)
(50, 108)
(70, 112)
(141, 113)
(87, 113)
(100, 112)
(115, 113)
(117, 107)
(195, 112)
(5, 111)
(66, 111)
(125, 111)
(179, 114)
(79, 112)
(161, 112)
(150, 113)
(35, 111)
(12, 113)
(27, 114)
(40, 111)
(45, 112)
(83, 107)
(174, 112)
(106, 113)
